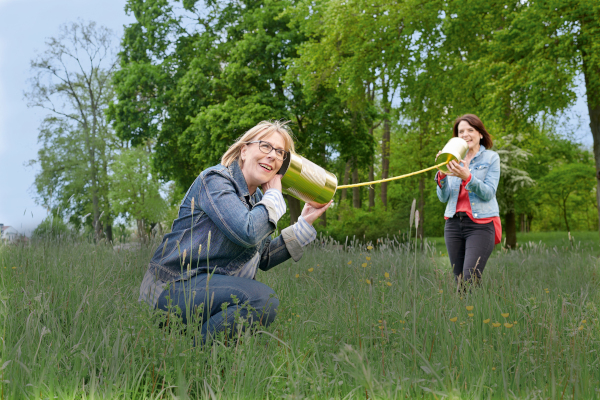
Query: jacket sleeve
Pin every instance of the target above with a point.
(486, 189)
(442, 188)
(290, 243)
(220, 201)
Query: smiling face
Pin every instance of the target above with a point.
(258, 167)
(470, 135)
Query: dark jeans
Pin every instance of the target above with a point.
(469, 246)
(256, 302)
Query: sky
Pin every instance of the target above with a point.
(24, 27)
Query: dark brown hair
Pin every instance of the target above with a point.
(476, 123)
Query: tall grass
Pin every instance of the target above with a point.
(72, 328)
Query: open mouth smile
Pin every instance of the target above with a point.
(266, 166)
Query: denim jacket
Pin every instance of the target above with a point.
(485, 175)
(237, 223)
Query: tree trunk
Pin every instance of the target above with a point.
(421, 208)
(356, 203)
(565, 214)
(295, 208)
(529, 219)
(385, 157)
(109, 233)
(141, 231)
(591, 73)
(370, 189)
(346, 177)
(511, 230)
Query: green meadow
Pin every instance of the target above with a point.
(354, 322)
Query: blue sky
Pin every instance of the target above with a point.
(24, 26)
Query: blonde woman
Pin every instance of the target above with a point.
(226, 203)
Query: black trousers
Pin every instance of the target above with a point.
(469, 246)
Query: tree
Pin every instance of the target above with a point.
(135, 190)
(72, 80)
(512, 180)
(195, 88)
(565, 180)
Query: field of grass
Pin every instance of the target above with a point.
(381, 323)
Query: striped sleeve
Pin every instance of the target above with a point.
(274, 203)
(305, 233)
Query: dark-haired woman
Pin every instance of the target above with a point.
(472, 217)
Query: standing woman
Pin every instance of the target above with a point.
(217, 278)
(472, 217)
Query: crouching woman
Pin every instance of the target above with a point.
(216, 277)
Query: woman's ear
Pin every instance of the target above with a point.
(243, 153)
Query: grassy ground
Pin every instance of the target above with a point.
(352, 323)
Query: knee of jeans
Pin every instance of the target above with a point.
(266, 307)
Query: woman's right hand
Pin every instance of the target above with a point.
(274, 183)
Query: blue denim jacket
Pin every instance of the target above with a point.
(485, 175)
(238, 226)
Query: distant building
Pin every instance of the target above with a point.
(8, 234)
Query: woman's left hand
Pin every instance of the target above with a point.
(310, 213)
(455, 169)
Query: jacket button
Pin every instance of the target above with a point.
(472, 204)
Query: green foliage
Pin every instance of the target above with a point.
(134, 190)
(72, 81)
(51, 228)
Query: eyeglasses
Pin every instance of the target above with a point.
(266, 148)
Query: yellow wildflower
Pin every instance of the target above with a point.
(493, 368)
(471, 315)
(368, 281)
(369, 247)
(496, 324)
(364, 265)
(349, 262)
(297, 275)
(485, 321)
(389, 283)
(441, 291)
(580, 327)
(453, 319)
(368, 258)
(311, 269)
(469, 308)
(505, 315)
(380, 326)
(387, 275)
(507, 325)
(583, 321)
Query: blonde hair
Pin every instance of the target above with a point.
(262, 130)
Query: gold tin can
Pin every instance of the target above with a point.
(455, 149)
(307, 181)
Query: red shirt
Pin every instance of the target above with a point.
(464, 205)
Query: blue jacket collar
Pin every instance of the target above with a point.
(238, 177)
(481, 150)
